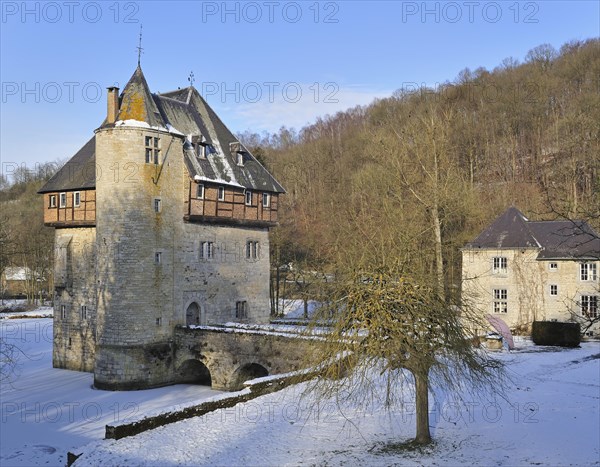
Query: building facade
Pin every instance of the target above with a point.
(161, 219)
(523, 271)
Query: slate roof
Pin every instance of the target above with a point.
(566, 239)
(563, 239)
(185, 113)
(79, 173)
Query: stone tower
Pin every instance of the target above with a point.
(177, 235)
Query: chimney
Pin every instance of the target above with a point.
(113, 104)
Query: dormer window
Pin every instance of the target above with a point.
(198, 146)
(235, 148)
(152, 149)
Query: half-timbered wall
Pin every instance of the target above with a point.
(232, 206)
(59, 215)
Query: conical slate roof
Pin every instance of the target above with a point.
(136, 101)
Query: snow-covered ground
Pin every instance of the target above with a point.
(16, 308)
(46, 412)
(294, 309)
(552, 417)
(40, 312)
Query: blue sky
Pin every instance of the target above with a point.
(260, 64)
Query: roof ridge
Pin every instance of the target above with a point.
(526, 223)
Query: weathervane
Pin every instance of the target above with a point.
(191, 78)
(139, 47)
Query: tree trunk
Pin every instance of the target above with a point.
(439, 259)
(422, 403)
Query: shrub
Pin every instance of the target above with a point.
(556, 333)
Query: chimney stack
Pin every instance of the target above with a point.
(113, 104)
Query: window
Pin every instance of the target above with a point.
(588, 271)
(553, 290)
(221, 193)
(209, 149)
(52, 201)
(76, 199)
(500, 265)
(248, 198)
(158, 257)
(207, 250)
(241, 310)
(157, 205)
(266, 200)
(589, 306)
(553, 266)
(198, 146)
(158, 321)
(252, 251)
(240, 159)
(84, 312)
(500, 301)
(152, 149)
(62, 200)
(200, 191)
(63, 311)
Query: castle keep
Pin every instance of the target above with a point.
(161, 219)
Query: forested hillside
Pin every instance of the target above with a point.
(24, 240)
(411, 178)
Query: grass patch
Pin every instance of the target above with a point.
(404, 447)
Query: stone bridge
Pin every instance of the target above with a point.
(226, 357)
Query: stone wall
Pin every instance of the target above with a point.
(75, 287)
(527, 282)
(137, 257)
(228, 354)
(216, 284)
(149, 268)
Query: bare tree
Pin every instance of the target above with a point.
(6, 247)
(385, 321)
(9, 354)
